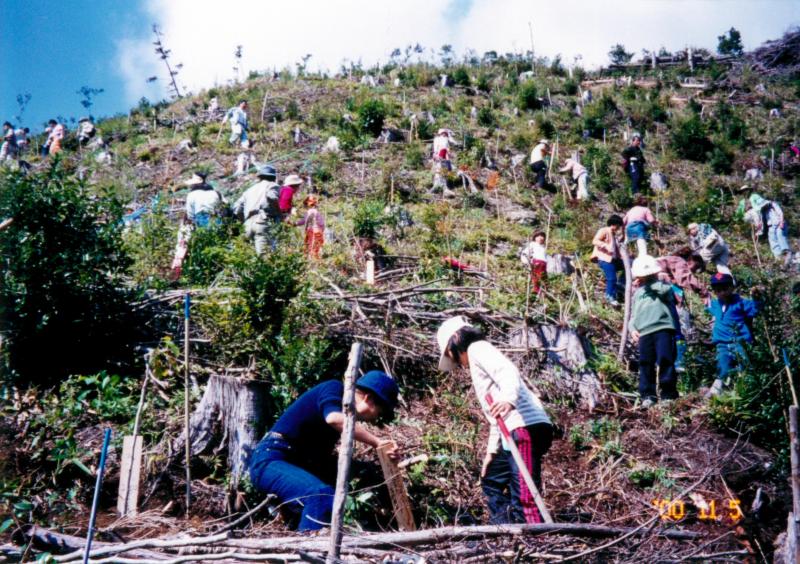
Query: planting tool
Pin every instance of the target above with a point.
(523, 468)
(93, 516)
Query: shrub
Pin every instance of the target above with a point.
(63, 307)
(292, 110)
(484, 83)
(543, 128)
(486, 117)
(527, 98)
(570, 87)
(368, 219)
(721, 160)
(461, 77)
(415, 155)
(690, 140)
(371, 115)
(597, 161)
(208, 249)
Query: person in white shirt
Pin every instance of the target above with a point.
(202, 202)
(238, 119)
(534, 256)
(495, 377)
(86, 130)
(579, 175)
(537, 162)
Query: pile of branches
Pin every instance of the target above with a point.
(779, 57)
(558, 542)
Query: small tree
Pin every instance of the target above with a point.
(446, 55)
(730, 43)
(237, 63)
(22, 103)
(618, 54)
(163, 54)
(87, 94)
(63, 306)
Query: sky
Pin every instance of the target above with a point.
(52, 48)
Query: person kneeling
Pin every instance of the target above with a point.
(294, 461)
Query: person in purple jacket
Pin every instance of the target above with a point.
(733, 318)
(293, 460)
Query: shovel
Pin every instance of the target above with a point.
(523, 468)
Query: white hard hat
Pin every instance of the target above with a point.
(645, 266)
(293, 180)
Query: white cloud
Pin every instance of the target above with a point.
(203, 34)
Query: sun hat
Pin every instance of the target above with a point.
(645, 266)
(544, 141)
(443, 336)
(383, 387)
(293, 180)
(196, 179)
(692, 226)
(757, 201)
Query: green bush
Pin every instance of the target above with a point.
(486, 117)
(721, 160)
(461, 77)
(63, 307)
(689, 138)
(208, 250)
(371, 115)
(598, 162)
(415, 155)
(527, 98)
(368, 219)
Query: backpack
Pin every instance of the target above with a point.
(272, 207)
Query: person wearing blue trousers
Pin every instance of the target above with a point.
(733, 317)
(294, 460)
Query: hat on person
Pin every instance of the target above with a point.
(444, 131)
(757, 201)
(645, 266)
(293, 180)
(84, 118)
(692, 226)
(544, 141)
(267, 171)
(720, 279)
(196, 179)
(383, 387)
(443, 336)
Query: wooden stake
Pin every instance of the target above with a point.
(186, 305)
(794, 452)
(397, 489)
(130, 476)
(623, 251)
(345, 454)
(369, 276)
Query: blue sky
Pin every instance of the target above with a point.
(51, 48)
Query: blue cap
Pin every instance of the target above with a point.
(720, 279)
(267, 171)
(384, 387)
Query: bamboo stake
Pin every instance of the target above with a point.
(794, 452)
(345, 454)
(186, 305)
(623, 251)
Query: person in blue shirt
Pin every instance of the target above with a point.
(294, 458)
(733, 317)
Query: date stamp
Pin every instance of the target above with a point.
(726, 511)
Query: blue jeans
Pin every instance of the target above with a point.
(638, 230)
(657, 349)
(273, 469)
(730, 357)
(777, 240)
(636, 174)
(615, 277)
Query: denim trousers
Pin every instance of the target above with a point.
(730, 357)
(614, 273)
(274, 470)
(635, 173)
(539, 168)
(507, 495)
(778, 242)
(657, 350)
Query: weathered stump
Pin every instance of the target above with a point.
(237, 408)
(564, 367)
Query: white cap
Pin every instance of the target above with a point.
(645, 266)
(443, 336)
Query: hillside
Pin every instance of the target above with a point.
(287, 323)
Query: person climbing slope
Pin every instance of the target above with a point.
(633, 162)
(607, 256)
(259, 208)
(638, 222)
(538, 163)
(314, 223)
(534, 257)
(202, 202)
(706, 242)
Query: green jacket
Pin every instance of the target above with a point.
(652, 308)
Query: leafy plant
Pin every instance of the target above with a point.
(527, 98)
(371, 115)
(689, 138)
(368, 219)
(63, 307)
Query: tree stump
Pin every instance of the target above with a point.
(240, 408)
(564, 368)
